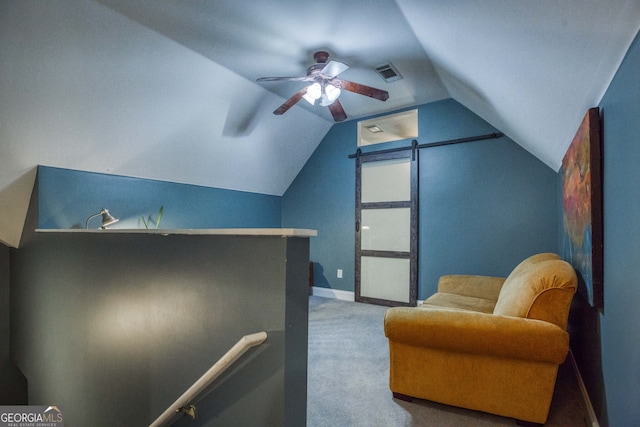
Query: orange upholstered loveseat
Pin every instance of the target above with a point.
(486, 343)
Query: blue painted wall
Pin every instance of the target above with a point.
(322, 198)
(620, 343)
(68, 197)
(484, 206)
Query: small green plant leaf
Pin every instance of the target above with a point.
(159, 216)
(160, 212)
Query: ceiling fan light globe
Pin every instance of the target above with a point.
(314, 91)
(309, 99)
(332, 93)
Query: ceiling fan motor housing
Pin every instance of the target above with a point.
(321, 56)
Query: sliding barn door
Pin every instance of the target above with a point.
(387, 228)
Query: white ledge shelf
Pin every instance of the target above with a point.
(282, 232)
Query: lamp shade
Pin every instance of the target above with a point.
(107, 218)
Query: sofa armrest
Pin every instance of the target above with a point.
(486, 287)
(477, 333)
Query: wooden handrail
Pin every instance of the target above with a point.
(183, 403)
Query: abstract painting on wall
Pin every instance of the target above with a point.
(582, 207)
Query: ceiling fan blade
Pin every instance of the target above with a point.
(280, 79)
(333, 68)
(337, 111)
(290, 102)
(369, 91)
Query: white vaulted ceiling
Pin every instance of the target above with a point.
(166, 89)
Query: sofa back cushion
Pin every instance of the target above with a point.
(540, 290)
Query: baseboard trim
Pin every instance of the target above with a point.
(338, 294)
(333, 293)
(593, 420)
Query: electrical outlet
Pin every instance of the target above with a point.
(339, 273)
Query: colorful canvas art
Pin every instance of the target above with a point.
(582, 207)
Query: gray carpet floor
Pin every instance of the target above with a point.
(348, 377)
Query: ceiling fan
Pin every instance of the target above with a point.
(325, 86)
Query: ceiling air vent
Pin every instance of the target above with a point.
(388, 72)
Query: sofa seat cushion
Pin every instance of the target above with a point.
(458, 302)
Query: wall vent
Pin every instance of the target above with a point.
(388, 72)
